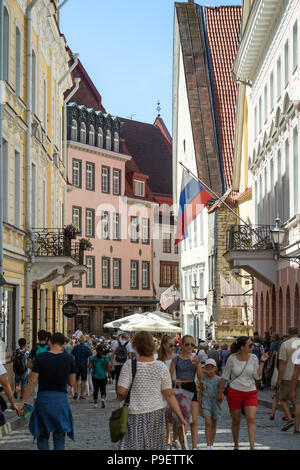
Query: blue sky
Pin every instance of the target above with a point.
(126, 47)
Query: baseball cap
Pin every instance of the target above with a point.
(211, 361)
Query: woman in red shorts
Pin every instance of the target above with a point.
(243, 369)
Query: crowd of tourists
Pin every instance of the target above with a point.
(167, 382)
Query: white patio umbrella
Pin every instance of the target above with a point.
(124, 320)
(150, 324)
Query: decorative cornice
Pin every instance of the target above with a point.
(98, 151)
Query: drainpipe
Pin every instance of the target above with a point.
(1, 147)
(28, 159)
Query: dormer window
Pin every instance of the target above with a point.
(82, 133)
(100, 138)
(108, 140)
(139, 188)
(116, 142)
(92, 135)
(74, 130)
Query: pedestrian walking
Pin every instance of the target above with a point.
(258, 349)
(214, 354)
(210, 408)
(19, 359)
(68, 347)
(202, 353)
(81, 355)
(287, 354)
(121, 350)
(187, 366)
(99, 364)
(52, 371)
(243, 369)
(223, 355)
(295, 390)
(151, 386)
(4, 382)
(40, 348)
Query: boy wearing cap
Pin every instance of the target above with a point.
(210, 409)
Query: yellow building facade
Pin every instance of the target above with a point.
(35, 259)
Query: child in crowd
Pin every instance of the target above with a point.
(210, 409)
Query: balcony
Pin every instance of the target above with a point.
(56, 256)
(252, 249)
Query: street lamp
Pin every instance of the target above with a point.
(277, 238)
(195, 290)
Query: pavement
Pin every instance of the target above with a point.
(92, 430)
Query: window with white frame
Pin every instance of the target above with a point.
(17, 190)
(105, 272)
(145, 230)
(279, 185)
(90, 222)
(265, 102)
(272, 91)
(18, 62)
(286, 63)
(100, 138)
(286, 181)
(116, 226)
(255, 122)
(295, 46)
(76, 216)
(6, 44)
(146, 275)
(33, 82)
(260, 113)
(105, 225)
(90, 275)
(195, 232)
(139, 188)
(278, 78)
(116, 142)
(105, 179)
(272, 191)
(90, 176)
(33, 195)
(134, 274)
(91, 135)
(5, 180)
(167, 242)
(296, 171)
(45, 105)
(108, 140)
(76, 173)
(134, 229)
(117, 273)
(82, 133)
(74, 130)
(116, 182)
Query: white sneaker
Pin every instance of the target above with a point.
(211, 447)
(208, 448)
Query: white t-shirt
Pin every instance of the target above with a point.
(115, 345)
(297, 358)
(150, 380)
(2, 369)
(246, 381)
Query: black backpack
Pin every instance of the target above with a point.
(19, 364)
(121, 352)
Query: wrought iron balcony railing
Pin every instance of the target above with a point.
(54, 242)
(243, 237)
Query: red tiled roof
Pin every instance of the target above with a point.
(223, 26)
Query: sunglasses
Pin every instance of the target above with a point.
(188, 344)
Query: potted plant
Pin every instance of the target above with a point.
(85, 244)
(72, 230)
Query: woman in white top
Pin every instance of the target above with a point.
(150, 388)
(166, 354)
(243, 368)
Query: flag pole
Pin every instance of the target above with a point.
(212, 193)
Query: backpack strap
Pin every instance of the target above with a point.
(133, 371)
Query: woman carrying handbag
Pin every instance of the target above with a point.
(243, 368)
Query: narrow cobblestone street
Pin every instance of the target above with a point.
(92, 433)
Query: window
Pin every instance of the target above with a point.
(145, 231)
(296, 171)
(278, 78)
(195, 232)
(108, 140)
(44, 205)
(74, 130)
(167, 242)
(169, 274)
(100, 138)
(134, 229)
(90, 275)
(286, 182)
(139, 188)
(105, 179)
(105, 272)
(6, 44)
(116, 142)
(33, 78)
(260, 113)
(76, 216)
(295, 46)
(255, 122)
(17, 190)
(279, 185)
(33, 196)
(90, 176)
(5, 181)
(76, 173)
(82, 133)
(116, 226)
(116, 182)
(134, 274)
(92, 135)
(146, 275)
(272, 91)
(265, 103)
(272, 190)
(45, 105)
(18, 63)
(117, 273)
(90, 222)
(105, 225)
(176, 248)
(286, 63)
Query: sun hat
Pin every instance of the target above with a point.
(211, 361)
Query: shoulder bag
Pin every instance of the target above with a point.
(118, 421)
(228, 385)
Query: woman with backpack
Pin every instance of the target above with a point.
(20, 369)
(100, 368)
(121, 350)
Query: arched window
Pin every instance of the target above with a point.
(18, 62)
(33, 79)
(6, 44)
(116, 142)
(82, 133)
(108, 140)
(288, 309)
(100, 138)
(74, 130)
(92, 135)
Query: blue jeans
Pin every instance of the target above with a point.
(58, 441)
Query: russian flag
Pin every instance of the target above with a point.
(193, 199)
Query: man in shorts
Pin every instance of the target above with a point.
(81, 354)
(295, 391)
(287, 354)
